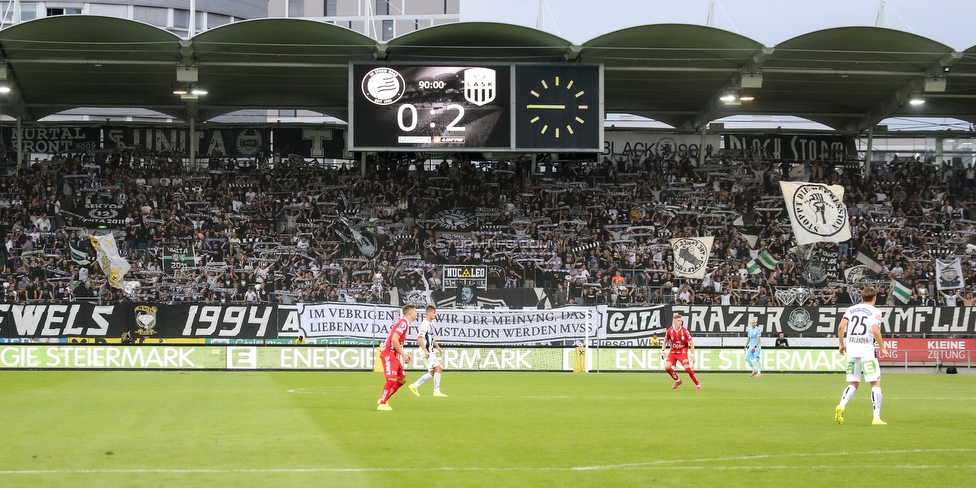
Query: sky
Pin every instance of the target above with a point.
(951, 22)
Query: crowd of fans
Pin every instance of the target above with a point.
(585, 231)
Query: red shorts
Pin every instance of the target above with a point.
(392, 368)
(678, 357)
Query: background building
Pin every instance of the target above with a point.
(172, 15)
(380, 19)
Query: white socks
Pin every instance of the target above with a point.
(423, 379)
(849, 392)
(437, 383)
(876, 401)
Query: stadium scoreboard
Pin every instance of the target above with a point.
(476, 107)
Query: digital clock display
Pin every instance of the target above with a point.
(408, 107)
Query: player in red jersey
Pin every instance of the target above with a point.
(681, 343)
(391, 348)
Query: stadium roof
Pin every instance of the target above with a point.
(847, 78)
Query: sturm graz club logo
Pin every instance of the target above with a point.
(146, 319)
(691, 255)
(383, 86)
(800, 320)
(814, 272)
(249, 142)
(818, 210)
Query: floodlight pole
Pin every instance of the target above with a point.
(193, 18)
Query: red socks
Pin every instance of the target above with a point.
(388, 390)
(690, 373)
(672, 373)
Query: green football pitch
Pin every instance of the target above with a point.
(242, 429)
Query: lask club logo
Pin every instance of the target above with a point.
(479, 85)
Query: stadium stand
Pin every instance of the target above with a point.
(297, 230)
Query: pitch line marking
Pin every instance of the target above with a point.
(660, 464)
(449, 469)
(765, 456)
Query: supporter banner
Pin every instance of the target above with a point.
(949, 272)
(453, 276)
(349, 324)
(930, 350)
(105, 215)
(44, 321)
(634, 326)
(199, 320)
(658, 146)
(176, 258)
(817, 212)
(51, 139)
(455, 219)
(235, 142)
(288, 323)
(782, 360)
(113, 265)
(311, 142)
(691, 256)
(513, 298)
(820, 268)
(476, 327)
(798, 147)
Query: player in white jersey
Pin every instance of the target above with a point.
(858, 332)
(431, 351)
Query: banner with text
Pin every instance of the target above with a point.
(795, 147)
(658, 146)
(930, 350)
(476, 327)
(312, 142)
(303, 358)
(782, 360)
(352, 324)
(223, 141)
(51, 139)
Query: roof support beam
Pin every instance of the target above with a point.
(889, 105)
(94, 62)
(715, 106)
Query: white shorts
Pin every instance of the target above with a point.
(432, 362)
(869, 366)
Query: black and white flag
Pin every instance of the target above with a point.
(948, 274)
(817, 212)
(691, 256)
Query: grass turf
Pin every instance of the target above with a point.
(245, 429)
